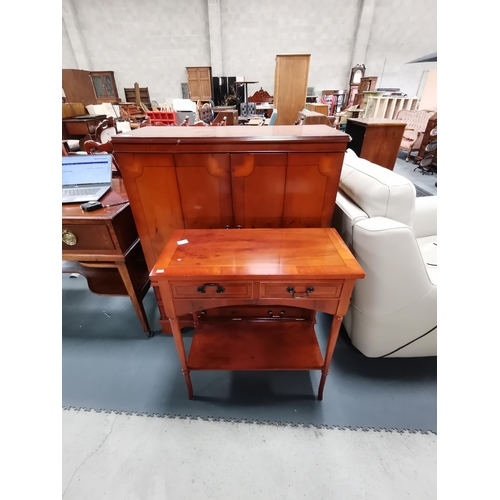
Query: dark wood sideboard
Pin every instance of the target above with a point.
(376, 139)
(229, 177)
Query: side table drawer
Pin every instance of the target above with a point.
(301, 290)
(216, 290)
(83, 237)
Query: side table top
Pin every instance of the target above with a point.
(296, 252)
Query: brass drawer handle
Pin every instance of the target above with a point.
(69, 238)
(291, 290)
(220, 289)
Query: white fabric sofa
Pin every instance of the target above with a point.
(393, 235)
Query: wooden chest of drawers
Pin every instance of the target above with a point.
(204, 269)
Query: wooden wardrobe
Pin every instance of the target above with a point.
(229, 177)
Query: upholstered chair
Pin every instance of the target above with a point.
(416, 123)
(393, 236)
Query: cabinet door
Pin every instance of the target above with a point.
(258, 189)
(204, 190)
(290, 86)
(312, 180)
(199, 83)
(151, 184)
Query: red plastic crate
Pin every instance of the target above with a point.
(165, 117)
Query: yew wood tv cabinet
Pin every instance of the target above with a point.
(229, 178)
(207, 268)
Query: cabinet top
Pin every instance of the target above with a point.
(193, 135)
(379, 122)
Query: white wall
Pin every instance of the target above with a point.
(402, 30)
(152, 41)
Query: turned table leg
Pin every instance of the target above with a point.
(332, 341)
(179, 344)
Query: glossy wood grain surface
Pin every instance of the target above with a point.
(297, 252)
(255, 346)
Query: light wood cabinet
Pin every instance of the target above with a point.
(199, 83)
(290, 86)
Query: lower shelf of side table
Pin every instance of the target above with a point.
(246, 345)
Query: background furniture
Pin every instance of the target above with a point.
(376, 139)
(89, 87)
(218, 268)
(104, 86)
(335, 100)
(393, 236)
(430, 135)
(307, 117)
(318, 107)
(104, 246)
(199, 83)
(366, 84)
(81, 128)
(290, 86)
(230, 116)
(388, 107)
(217, 177)
(263, 102)
(138, 95)
(416, 125)
(357, 73)
(248, 109)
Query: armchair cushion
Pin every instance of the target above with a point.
(391, 194)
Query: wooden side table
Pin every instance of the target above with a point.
(376, 139)
(200, 269)
(103, 246)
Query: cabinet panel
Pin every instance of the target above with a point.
(258, 189)
(311, 188)
(151, 185)
(205, 190)
(199, 83)
(290, 86)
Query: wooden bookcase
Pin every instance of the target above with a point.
(290, 86)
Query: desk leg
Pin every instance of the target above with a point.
(179, 344)
(138, 306)
(332, 341)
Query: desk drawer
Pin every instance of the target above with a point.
(84, 237)
(301, 290)
(216, 290)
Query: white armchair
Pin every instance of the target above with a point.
(393, 235)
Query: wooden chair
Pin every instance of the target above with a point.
(104, 132)
(222, 123)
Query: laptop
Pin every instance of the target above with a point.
(85, 177)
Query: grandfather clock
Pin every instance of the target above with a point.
(357, 73)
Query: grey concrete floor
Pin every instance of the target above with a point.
(129, 457)
(406, 169)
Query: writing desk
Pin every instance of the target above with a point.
(104, 246)
(201, 269)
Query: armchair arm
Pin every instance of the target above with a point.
(345, 215)
(396, 273)
(425, 217)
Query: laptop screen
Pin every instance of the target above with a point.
(86, 169)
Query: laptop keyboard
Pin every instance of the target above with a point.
(80, 191)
